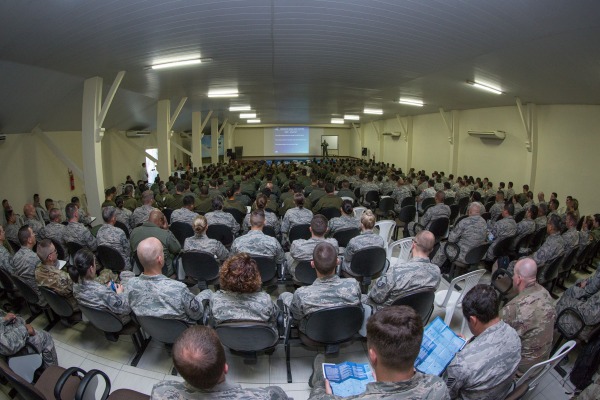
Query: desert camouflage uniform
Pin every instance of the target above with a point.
(571, 239)
(296, 216)
(366, 239)
(141, 214)
(171, 246)
(342, 223)
(506, 227)
(532, 315)
(223, 218)
(183, 215)
(14, 336)
(485, 367)
(431, 214)
(302, 250)
(56, 232)
(115, 238)
(399, 194)
(270, 220)
(93, 294)
(207, 245)
(496, 210)
(6, 260)
(171, 390)
(256, 243)
(232, 306)
(541, 222)
(468, 234)
(159, 296)
(56, 279)
(77, 232)
(34, 224)
(24, 263)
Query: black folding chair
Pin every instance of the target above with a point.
(237, 214)
(304, 273)
(267, 268)
(111, 259)
(299, 232)
(367, 263)
(343, 236)
(420, 300)
(60, 306)
(201, 266)
(330, 212)
(220, 232)
(181, 231)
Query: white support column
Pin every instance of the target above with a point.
(183, 149)
(197, 139)
(452, 126)
(530, 123)
(407, 131)
(214, 140)
(163, 133)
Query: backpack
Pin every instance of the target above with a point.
(586, 364)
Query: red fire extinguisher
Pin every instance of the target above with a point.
(71, 180)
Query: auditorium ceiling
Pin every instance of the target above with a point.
(292, 61)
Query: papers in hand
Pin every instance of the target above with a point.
(348, 378)
(438, 348)
(61, 264)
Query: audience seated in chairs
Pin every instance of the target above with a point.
(345, 221)
(500, 230)
(54, 229)
(439, 210)
(6, 258)
(299, 215)
(220, 217)
(185, 213)
(271, 218)
(201, 242)
(256, 243)
(49, 274)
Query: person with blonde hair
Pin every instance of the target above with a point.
(367, 238)
(201, 242)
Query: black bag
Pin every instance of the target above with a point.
(586, 364)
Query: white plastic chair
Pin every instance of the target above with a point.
(451, 299)
(358, 212)
(348, 198)
(386, 229)
(405, 247)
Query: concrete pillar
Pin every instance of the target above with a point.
(453, 167)
(214, 140)
(163, 139)
(409, 142)
(197, 139)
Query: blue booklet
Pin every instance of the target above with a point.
(440, 345)
(348, 378)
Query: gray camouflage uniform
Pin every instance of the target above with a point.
(403, 278)
(77, 232)
(141, 214)
(496, 210)
(183, 215)
(504, 228)
(342, 223)
(485, 367)
(207, 245)
(553, 246)
(54, 231)
(6, 260)
(585, 300)
(159, 296)
(12, 232)
(302, 250)
(171, 390)
(296, 216)
(431, 214)
(541, 222)
(14, 336)
(524, 228)
(232, 306)
(24, 263)
(468, 234)
(93, 294)
(124, 217)
(256, 243)
(462, 191)
(571, 239)
(399, 194)
(366, 239)
(115, 238)
(271, 220)
(34, 224)
(222, 218)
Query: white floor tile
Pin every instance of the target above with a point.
(67, 359)
(241, 372)
(120, 352)
(156, 359)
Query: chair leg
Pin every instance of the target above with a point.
(287, 360)
(140, 345)
(52, 320)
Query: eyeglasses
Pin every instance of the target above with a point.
(52, 252)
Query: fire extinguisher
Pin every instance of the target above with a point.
(71, 180)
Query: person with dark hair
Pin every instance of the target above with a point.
(394, 337)
(345, 221)
(270, 217)
(220, 217)
(25, 261)
(485, 367)
(255, 242)
(176, 200)
(54, 229)
(542, 220)
(232, 201)
(111, 236)
(367, 238)
(528, 199)
(49, 274)
(201, 242)
(345, 190)
(141, 213)
(108, 198)
(330, 200)
(526, 226)
(298, 215)
(571, 235)
(553, 205)
(84, 218)
(439, 210)
(186, 213)
(203, 203)
(498, 206)
(75, 231)
(123, 213)
(504, 228)
(199, 357)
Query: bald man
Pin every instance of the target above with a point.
(531, 313)
(153, 294)
(30, 218)
(157, 227)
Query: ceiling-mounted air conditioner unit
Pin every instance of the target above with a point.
(494, 135)
(137, 134)
(2, 137)
(386, 133)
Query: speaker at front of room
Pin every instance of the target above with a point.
(229, 152)
(364, 151)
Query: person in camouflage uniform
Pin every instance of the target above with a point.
(76, 232)
(11, 229)
(571, 235)
(299, 215)
(506, 227)
(113, 237)
(201, 242)
(6, 259)
(345, 221)
(469, 233)
(541, 219)
(256, 243)
(48, 273)
(30, 218)
(439, 210)
(220, 217)
(185, 214)
(54, 230)
(367, 238)
(84, 218)
(203, 203)
(15, 334)
(123, 214)
(345, 190)
(163, 197)
(199, 357)
(141, 214)
(270, 217)
(176, 200)
(153, 294)
(498, 206)
(485, 367)
(330, 200)
(526, 226)
(394, 337)
(531, 313)
(25, 261)
(403, 278)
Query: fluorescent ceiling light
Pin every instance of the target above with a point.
(223, 93)
(485, 87)
(352, 117)
(248, 115)
(373, 111)
(239, 108)
(337, 120)
(253, 121)
(411, 102)
(179, 63)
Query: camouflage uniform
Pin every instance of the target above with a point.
(341, 223)
(6, 260)
(399, 194)
(553, 246)
(159, 296)
(403, 278)
(141, 214)
(462, 191)
(496, 210)
(124, 217)
(368, 187)
(115, 238)
(590, 392)
(94, 294)
(504, 228)
(183, 215)
(84, 217)
(419, 387)
(571, 239)
(24, 263)
(207, 245)
(130, 203)
(162, 199)
(34, 224)
(296, 216)
(232, 306)
(171, 390)
(223, 218)
(439, 210)
(243, 199)
(14, 336)
(56, 232)
(76, 232)
(256, 243)
(316, 194)
(585, 300)
(541, 222)
(524, 228)
(302, 250)
(327, 201)
(346, 193)
(12, 232)
(270, 220)
(532, 315)
(56, 279)
(366, 239)
(171, 246)
(485, 367)
(427, 193)
(468, 234)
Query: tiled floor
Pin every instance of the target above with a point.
(83, 346)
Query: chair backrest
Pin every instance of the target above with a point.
(428, 202)
(267, 268)
(468, 280)
(60, 251)
(538, 238)
(299, 232)
(344, 198)
(453, 212)
(57, 303)
(439, 227)
(343, 236)
(372, 196)
(475, 255)
(161, 329)
(181, 231)
(25, 389)
(459, 219)
(449, 201)
(6, 281)
(200, 265)
(305, 273)
(330, 212)
(420, 300)
(523, 242)
(386, 204)
(486, 215)
(462, 205)
(247, 336)
(540, 369)
(167, 213)
(489, 205)
(550, 271)
(368, 261)
(15, 246)
(407, 213)
(386, 229)
(26, 291)
(73, 247)
(568, 260)
(358, 212)
(348, 320)
(502, 246)
(122, 227)
(269, 231)
(520, 215)
(405, 248)
(237, 214)
(407, 201)
(356, 192)
(220, 232)
(110, 258)
(104, 320)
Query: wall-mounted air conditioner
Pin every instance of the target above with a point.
(494, 135)
(396, 134)
(137, 134)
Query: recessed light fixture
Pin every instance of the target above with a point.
(373, 111)
(337, 120)
(350, 117)
(411, 102)
(253, 121)
(485, 87)
(248, 115)
(223, 93)
(180, 63)
(240, 108)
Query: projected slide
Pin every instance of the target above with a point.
(290, 140)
